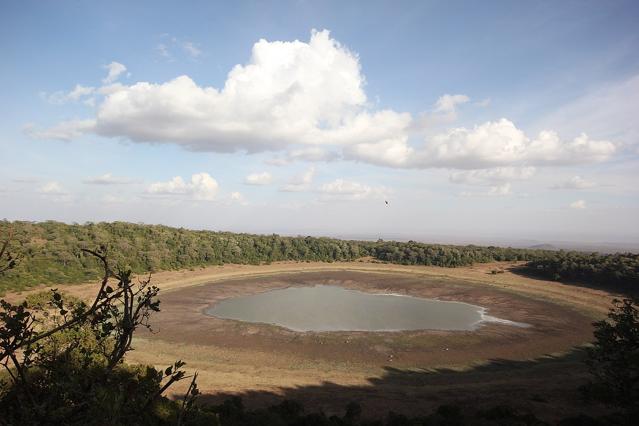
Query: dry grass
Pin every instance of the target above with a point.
(259, 363)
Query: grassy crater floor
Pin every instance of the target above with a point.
(537, 369)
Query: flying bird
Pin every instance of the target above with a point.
(386, 202)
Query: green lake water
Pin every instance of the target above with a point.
(332, 308)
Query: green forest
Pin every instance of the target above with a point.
(51, 253)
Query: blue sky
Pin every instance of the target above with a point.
(478, 121)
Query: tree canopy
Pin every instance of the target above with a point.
(51, 253)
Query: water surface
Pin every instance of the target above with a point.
(332, 308)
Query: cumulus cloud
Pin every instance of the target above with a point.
(289, 93)
(502, 143)
(107, 179)
(492, 176)
(115, 69)
(201, 187)
(300, 182)
(341, 189)
(548, 148)
(258, 179)
(575, 182)
(491, 144)
(579, 205)
(308, 99)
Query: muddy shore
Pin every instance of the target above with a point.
(554, 328)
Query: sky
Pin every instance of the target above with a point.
(440, 121)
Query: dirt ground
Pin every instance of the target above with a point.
(554, 328)
(536, 368)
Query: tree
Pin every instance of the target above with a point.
(64, 361)
(8, 260)
(614, 358)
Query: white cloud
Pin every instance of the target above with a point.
(492, 176)
(109, 89)
(500, 143)
(492, 144)
(444, 111)
(201, 187)
(500, 189)
(390, 152)
(609, 111)
(308, 99)
(115, 69)
(107, 179)
(63, 131)
(312, 153)
(171, 45)
(258, 179)
(78, 92)
(341, 189)
(549, 149)
(575, 182)
(52, 187)
(289, 93)
(493, 191)
(447, 104)
(238, 198)
(300, 182)
(579, 205)
(191, 49)
(52, 190)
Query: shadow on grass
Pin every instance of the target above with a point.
(546, 387)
